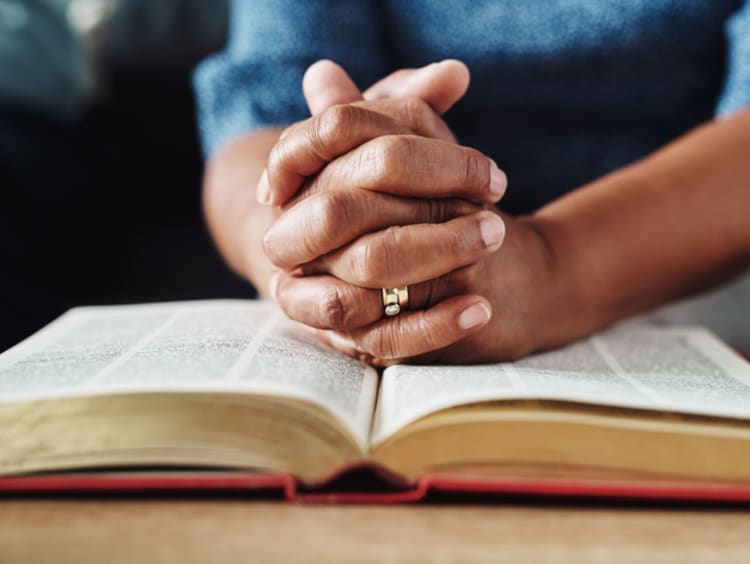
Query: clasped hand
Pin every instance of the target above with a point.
(376, 193)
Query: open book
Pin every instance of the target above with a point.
(234, 385)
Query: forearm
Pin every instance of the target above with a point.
(669, 225)
(235, 219)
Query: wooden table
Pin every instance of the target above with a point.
(204, 532)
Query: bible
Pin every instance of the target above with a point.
(230, 394)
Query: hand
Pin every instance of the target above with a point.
(335, 230)
(405, 102)
(235, 219)
(376, 164)
(387, 180)
(353, 197)
(501, 307)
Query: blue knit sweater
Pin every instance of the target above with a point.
(562, 91)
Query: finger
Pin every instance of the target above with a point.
(412, 166)
(339, 341)
(327, 220)
(305, 148)
(326, 302)
(414, 113)
(342, 342)
(326, 84)
(441, 84)
(414, 253)
(415, 333)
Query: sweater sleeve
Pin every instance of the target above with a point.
(257, 80)
(736, 92)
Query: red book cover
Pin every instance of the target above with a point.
(368, 484)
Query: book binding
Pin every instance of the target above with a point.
(389, 489)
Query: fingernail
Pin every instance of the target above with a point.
(474, 316)
(263, 192)
(492, 229)
(273, 286)
(498, 181)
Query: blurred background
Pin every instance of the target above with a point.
(100, 163)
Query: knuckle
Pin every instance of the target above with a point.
(282, 299)
(392, 241)
(374, 261)
(364, 264)
(286, 249)
(332, 212)
(418, 113)
(269, 243)
(332, 309)
(340, 115)
(475, 169)
(277, 157)
(315, 139)
(457, 242)
(333, 122)
(398, 149)
(359, 259)
(384, 160)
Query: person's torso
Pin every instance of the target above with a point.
(564, 91)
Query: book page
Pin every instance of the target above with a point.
(684, 370)
(212, 346)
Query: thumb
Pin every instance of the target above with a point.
(440, 84)
(326, 84)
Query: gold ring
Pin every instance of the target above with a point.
(395, 300)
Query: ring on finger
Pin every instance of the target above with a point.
(395, 300)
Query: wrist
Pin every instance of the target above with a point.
(235, 220)
(567, 307)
